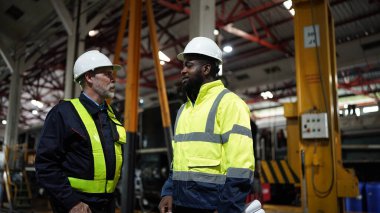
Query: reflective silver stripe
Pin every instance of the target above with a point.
(236, 129)
(211, 137)
(239, 173)
(198, 136)
(199, 177)
(178, 114)
(212, 114)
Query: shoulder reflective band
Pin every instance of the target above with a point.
(99, 184)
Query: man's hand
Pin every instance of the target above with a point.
(80, 208)
(165, 205)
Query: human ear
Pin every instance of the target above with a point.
(88, 77)
(206, 69)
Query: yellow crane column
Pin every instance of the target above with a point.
(325, 178)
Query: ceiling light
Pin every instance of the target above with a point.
(36, 103)
(216, 32)
(370, 109)
(266, 95)
(292, 11)
(227, 49)
(163, 57)
(288, 4)
(4, 122)
(93, 33)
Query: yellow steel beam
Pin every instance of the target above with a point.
(160, 79)
(165, 113)
(120, 36)
(293, 145)
(132, 87)
(316, 92)
(131, 105)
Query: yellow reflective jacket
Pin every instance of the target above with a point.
(213, 158)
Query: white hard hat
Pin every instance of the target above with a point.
(91, 60)
(202, 46)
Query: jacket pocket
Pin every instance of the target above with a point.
(204, 165)
(202, 162)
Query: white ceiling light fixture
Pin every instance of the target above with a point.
(93, 33)
(163, 57)
(266, 95)
(288, 4)
(292, 11)
(370, 109)
(216, 32)
(227, 49)
(36, 103)
(4, 122)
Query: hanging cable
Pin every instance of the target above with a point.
(319, 193)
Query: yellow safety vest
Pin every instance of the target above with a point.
(99, 184)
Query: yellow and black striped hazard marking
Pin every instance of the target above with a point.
(277, 171)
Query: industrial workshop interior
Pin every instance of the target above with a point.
(308, 70)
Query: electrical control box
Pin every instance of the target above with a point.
(314, 125)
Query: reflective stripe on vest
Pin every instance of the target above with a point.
(99, 184)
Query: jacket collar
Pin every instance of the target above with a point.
(208, 88)
(89, 104)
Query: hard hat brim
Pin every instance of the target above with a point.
(181, 57)
(115, 67)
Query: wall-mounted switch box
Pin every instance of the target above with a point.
(314, 125)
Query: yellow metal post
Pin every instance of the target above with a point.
(165, 112)
(292, 128)
(131, 105)
(120, 36)
(133, 61)
(316, 92)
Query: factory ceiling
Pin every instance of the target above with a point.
(34, 34)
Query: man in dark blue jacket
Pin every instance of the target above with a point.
(79, 156)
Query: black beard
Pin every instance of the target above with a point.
(192, 87)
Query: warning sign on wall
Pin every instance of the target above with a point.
(311, 36)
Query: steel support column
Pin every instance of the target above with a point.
(202, 18)
(131, 104)
(161, 86)
(11, 129)
(316, 93)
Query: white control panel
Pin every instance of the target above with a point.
(314, 125)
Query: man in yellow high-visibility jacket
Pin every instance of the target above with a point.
(213, 161)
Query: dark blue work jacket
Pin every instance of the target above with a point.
(65, 151)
